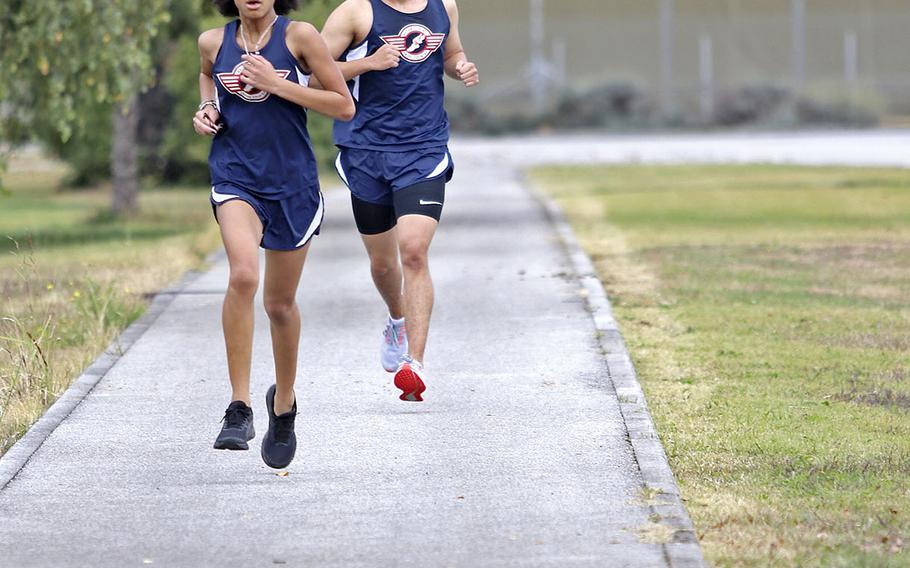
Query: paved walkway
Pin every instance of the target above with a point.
(519, 457)
(819, 148)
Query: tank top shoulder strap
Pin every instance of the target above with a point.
(280, 27)
(230, 29)
(441, 8)
(228, 43)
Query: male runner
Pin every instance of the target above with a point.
(393, 154)
(265, 191)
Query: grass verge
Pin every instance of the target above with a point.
(768, 313)
(72, 278)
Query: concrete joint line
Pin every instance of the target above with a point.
(657, 477)
(16, 458)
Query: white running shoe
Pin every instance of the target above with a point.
(394, 345)
(410, 380)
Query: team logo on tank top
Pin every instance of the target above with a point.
(415, 42)
(234, 84)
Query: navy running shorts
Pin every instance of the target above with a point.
(287, 224)
(374, 176)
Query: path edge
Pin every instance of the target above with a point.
(665, 502)
(18, 456)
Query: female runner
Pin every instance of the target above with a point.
(265, 191)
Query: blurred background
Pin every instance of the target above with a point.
(766, 305)
(688, 63)
(618, 65)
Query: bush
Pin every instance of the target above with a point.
(834, 113)
(610, 106)
(614, 105)
(753, 104)
(619, 106)
(776, 106)
(88, 151)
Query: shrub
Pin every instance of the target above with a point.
(752, 104)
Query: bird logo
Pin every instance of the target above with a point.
(234, 84)
(415, 42)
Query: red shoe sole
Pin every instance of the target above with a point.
(410, 384)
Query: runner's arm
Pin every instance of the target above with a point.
(457, 64)
(333, 99)
(339, 33)
(205, 122)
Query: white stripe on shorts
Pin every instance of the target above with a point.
(442, 167)
(222, 197)
(317, 220)
(340, 169)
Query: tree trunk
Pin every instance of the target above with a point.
(124, 159)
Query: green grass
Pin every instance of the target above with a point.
(72, 277)
(768, 313)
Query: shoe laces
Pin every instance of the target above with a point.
(235, 417)
(394, 334)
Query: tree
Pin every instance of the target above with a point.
(97, 139)
(60, 58)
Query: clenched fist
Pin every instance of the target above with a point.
(467, 73)
(386, 57)
(206, 122)
(259, 73)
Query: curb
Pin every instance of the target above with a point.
(666, 506)
(16, 458)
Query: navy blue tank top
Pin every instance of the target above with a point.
(263, 146)
(402, 108)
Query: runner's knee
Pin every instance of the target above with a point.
(382, 266)
(280, 310)
(414, 255)
(244, 281)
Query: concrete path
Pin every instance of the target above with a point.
(819, 148)
(519, 457)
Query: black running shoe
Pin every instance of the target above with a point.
(280, 443)
(237, 429)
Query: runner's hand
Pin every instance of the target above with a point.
(467, 73)
(386, 57)
(206, 122)
(259, 72)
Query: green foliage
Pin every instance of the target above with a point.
(61, 58)
(168, 63)
(88, 150)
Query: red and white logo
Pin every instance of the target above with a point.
(415, 42)
(234, 84)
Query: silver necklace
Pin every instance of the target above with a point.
(246, 48)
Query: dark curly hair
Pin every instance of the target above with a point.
(229, 8)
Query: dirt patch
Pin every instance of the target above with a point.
(886, 398)
(882, 341)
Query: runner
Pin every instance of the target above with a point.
(265, 191)
(394, 156)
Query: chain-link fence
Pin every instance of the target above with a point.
(688, 55)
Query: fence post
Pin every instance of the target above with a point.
(666, 57)
(706, 76)
(851, 59)
(798, 39)
(559, 63)
(538, 72)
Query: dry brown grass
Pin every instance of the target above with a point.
(72, 279)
